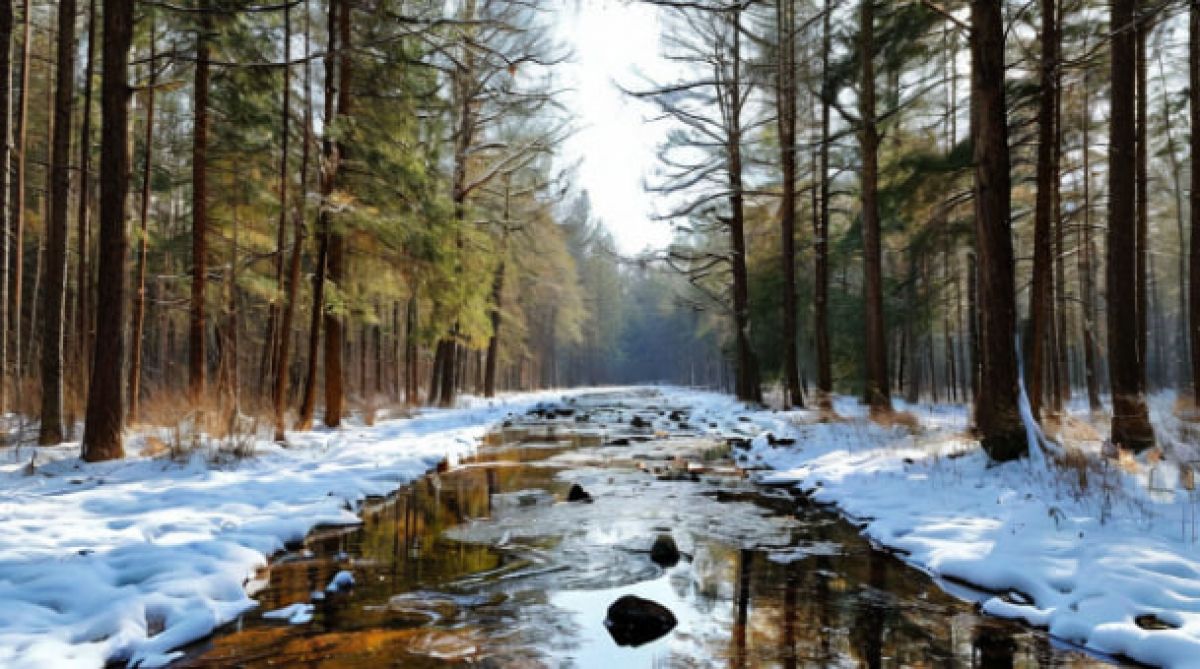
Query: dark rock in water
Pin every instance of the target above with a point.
(633, 621)
(565, 412)
(739, 442)
(639, 422)
(743, 419)
(677, 416)
(578, 494)
(664, 552)
(780, 441)
(507, 423)
(582, 418)
(619, 441)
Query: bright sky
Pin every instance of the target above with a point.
(614, 41)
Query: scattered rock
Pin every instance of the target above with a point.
(1149, 621)
(664, 552)
(740, 443)
(633, 621)
(780, 441)
(578, 494)
(619, 441)
(639, 422)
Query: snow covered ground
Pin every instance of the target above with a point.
(1103, 554)
(129, 560)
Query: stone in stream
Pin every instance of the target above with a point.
(639, 423)
(633, 621)
(664, 552)
(578, 494)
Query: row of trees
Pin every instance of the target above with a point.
(951, 159)
(333, 205)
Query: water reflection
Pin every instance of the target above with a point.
(486, 565)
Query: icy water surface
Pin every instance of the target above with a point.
(488, 565)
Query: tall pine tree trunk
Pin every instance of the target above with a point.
(1041, 303)
(877, 391)
(996, 415)
(287, 321)
(1194, 243)
(54, 298)
(334, 334)
(139, 296)
(785, 101)
(6, 141)
(821, 235)
(1130, 422)
(83, 317)
(18, 237)
(105, 419)
(197, 356)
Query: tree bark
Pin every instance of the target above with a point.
(197, 356)
(1088, 292)
(1130, 421)
(785, 101)
(877, 391)
(329, 151)
(54, 297)
(1194, 243)
(139, 297)
(821, 235)
(6, 146)
(83, 319)
(287, 321)
(748, 387)
(104, 422)
(18, 238)
(1041, 304)
(996, 415)
(334, 374)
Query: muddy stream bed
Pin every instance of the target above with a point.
(490, 565)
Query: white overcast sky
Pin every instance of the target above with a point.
(614, 41)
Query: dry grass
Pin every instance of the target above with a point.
(1067, 428)
(892, 419)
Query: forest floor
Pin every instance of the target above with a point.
(130, 560)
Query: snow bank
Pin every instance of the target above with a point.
(1112, 566)
(130, 560)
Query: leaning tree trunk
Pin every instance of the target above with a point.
(1130, 422)
(104, 422)
(197, 357)
(54, 297)
(996, 414)
(877, 391)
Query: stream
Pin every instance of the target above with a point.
(489, 565)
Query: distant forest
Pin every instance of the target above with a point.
(305, 209)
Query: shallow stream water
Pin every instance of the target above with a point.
(488, 565)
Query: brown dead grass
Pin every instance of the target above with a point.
(1066, 428)
(903, 419)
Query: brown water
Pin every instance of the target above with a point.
(488, 565)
